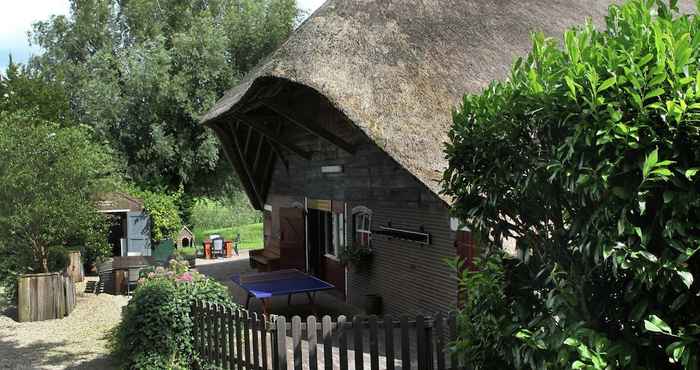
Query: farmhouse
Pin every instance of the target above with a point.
(338, 136)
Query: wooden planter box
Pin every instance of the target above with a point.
(44, 296)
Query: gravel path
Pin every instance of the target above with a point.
(74, 342)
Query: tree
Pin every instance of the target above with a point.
(142, 72)
(593, 154)
(48, 174)
(25, 88)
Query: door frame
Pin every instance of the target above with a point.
(325, 205)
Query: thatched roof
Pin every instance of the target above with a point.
(396, 68)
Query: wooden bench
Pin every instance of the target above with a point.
(267, 259)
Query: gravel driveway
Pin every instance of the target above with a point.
(74, 342)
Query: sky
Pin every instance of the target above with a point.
(17, 17)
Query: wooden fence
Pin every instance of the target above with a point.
(44, 296)
(236, 339)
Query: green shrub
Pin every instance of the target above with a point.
(592, 166)
(156, 330)
(162, 207)
(485, 324)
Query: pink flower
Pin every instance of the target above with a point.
(187, 277)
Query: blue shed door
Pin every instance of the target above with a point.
(138, 232)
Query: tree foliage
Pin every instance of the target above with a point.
(592, 166)
(23, 88)
(142, 72)
(163, 208)
(48, 174)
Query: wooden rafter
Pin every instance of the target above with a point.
(308, 125)
(261, 128)
(238, 162)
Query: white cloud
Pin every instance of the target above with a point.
(310, 5)
(16, 19)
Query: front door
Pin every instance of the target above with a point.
(327, 240)
(138, 232)
(292, 240)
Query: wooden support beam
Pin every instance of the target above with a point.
(246, 167)
(258, 150)
(247, 140)
(263, 129)
(307, 124)
(238, 162)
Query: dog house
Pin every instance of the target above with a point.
(185, 238)
(130, 231)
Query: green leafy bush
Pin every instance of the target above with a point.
(162, 208)
(485, 324)
(592, 163)
(156, 329)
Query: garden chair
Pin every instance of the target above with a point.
(218, 247)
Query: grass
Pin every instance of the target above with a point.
(251, 235)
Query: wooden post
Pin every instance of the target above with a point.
(75, 267)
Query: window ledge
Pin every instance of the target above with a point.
(332, 256)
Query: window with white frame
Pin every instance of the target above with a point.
(338, 233)
(362, 226)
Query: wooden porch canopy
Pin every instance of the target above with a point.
(252, 137)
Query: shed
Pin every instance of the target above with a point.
(338, 135)
(130, 231)
(185, 238)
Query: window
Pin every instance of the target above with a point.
(362, 226)
(338, 233)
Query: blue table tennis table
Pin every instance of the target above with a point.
(265, 285)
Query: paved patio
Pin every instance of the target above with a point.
(327, 303)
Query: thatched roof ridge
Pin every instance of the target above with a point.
(396, 68)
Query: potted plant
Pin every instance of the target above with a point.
(356, 256)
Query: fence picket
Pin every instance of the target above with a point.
(263, 341)
(281, 343)
(254, 333)
(326, 324)
(311, 338)
(239, 351)
(342, 343)
(231, 343)
(357, 347)
(296, 341)
(245, 320)
(210, 333)
(420, 342)
(389, 342)
(373, 343)
(405, 344)
(440, 341)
